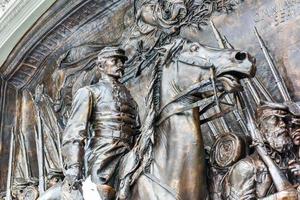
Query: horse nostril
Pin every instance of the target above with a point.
(240, 56)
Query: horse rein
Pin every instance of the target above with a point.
(204, 86)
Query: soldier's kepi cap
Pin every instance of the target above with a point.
(294, 109)
(267, 109)
(108, 52)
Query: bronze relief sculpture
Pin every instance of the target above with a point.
(149, 111)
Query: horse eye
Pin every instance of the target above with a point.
(194, 48)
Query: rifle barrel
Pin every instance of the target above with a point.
(237, 116)
(252, 91)
(221, 45)
(262, 89)
(40, 153)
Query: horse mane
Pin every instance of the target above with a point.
(143, 149)
(146, 140)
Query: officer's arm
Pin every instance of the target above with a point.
(75, 133)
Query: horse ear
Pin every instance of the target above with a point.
(191, 59)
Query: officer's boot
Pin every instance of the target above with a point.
(106, 192)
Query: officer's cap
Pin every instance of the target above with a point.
(267, 109)
(108, 52)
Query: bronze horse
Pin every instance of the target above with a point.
(170, 148)
(176, 169)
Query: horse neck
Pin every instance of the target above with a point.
(177, 77)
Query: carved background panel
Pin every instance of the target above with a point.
(59, 50)
(278, 23)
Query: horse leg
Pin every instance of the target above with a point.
(148, 188)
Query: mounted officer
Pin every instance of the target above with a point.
(102, 126)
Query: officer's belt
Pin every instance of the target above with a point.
(114, 134)
(115, 117)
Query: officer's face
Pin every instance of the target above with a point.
(113, 66)
(275, 131)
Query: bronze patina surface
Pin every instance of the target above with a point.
(153, 100)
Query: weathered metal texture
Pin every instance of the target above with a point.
(57, 57)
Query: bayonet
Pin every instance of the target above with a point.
(278, 79)
(293, 107)
(218, 109)
(217, 35)
(10, 165)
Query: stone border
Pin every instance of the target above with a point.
(17, 20)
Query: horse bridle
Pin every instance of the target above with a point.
(204, 104)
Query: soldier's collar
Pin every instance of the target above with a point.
(105, 77)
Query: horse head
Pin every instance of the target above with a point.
(196, 63)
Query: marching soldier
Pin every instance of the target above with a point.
(250, 177)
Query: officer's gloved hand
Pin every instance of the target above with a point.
(73, 177)
(72, 184)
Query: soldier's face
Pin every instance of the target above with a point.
(113, 66)
(295, 133)
(274, 129)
